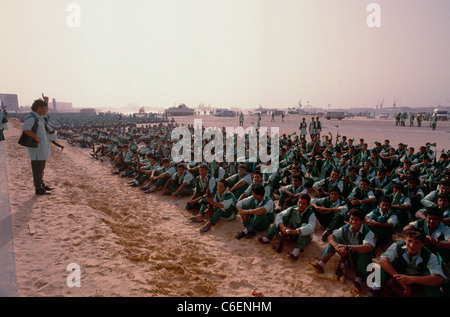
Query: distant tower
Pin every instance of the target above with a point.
(54, 104)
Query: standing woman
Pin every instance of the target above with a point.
(34, 128)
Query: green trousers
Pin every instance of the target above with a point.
(228, 214)
(258, 222)
(300, 241)
(359, 260)
(421, 290)
(330, 221)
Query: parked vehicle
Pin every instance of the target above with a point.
(334, 115)
(384, 115)
(181, 110)
(228, 113)
(442, 115)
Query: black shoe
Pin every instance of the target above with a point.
(293, 257)
(151, 190)
(42, 192)
(261, 240)
(250, 234)
(45, 187)
(240, 235)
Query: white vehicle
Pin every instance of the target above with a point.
(384, 115)
(441, 115)
(334, 115)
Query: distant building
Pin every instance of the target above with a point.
(9, 102)
(60, 106)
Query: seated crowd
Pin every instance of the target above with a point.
(393, 200)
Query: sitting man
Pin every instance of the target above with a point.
(256, 212)
(382, 221)
(239, 182)
(145, 170)
(330, 211)
(204, 185)
(289, 194)
(354, 243)
(401, 204)
(257, 179)
(414, 193)
(430, 200)
(408, 268)
(160, 176)
(297, 223)
(180, 184)
(222, 206)
(381, 185)
(362, 197)
(350, 181)
(437, 233)
(323, 186)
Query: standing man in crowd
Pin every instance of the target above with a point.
(34, 127)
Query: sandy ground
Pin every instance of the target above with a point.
(128, 243)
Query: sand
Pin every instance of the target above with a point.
(128, 243)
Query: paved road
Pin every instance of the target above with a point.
(8, 282)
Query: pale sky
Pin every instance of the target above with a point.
(226, 53)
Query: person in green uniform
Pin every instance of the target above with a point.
(419, 120)
(408, 268)
(381, 185)
(350, 181)
(330, 211)
(160, 176)
(221, 206)
(180, 184)
(256, 211)
(433, 122)
(144, 171)
(312, 129)
(239, 182)
(362, 197)
(303, 129)
(318, 127)
(382, 221)
(436, 231)
(289, 194)
(297, 223)
(354, 243)
(323, 186)
(204, 184)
